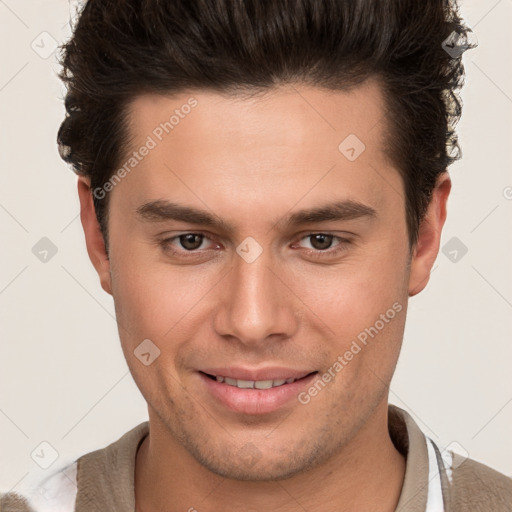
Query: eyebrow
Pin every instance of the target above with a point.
(162, 210)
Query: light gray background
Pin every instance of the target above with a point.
(62, 373)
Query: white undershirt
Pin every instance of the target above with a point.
(57, 493)
(435, 491)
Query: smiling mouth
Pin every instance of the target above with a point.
(254, 384)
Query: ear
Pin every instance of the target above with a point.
(93, 236)
(429, 236)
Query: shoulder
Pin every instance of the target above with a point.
(56, 493)
(476, 487)
(13, 502)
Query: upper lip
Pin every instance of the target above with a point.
(269, 373)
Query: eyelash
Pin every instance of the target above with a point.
(315, 253)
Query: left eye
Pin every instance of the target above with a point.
(320, 241)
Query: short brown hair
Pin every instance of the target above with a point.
(122, 48)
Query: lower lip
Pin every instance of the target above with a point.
(255, 401)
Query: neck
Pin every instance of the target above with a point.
(366, 474)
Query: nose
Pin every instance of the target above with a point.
(255, 303)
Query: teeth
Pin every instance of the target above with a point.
(245, 384)
(251, 384)
(263, 384)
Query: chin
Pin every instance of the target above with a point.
(250, 464)
(264, 472)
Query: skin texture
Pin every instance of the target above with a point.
(252, 162)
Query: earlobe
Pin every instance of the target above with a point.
(93, 236)
(429, 236)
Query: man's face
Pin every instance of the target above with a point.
(258, 298)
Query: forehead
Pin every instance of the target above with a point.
(285, 114)
(277, 146)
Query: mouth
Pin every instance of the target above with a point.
(254, 393)
(255, 384)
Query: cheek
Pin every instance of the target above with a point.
(352, 296)
(366, 331)
(151, 300)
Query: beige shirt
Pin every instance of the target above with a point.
(103, 480)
